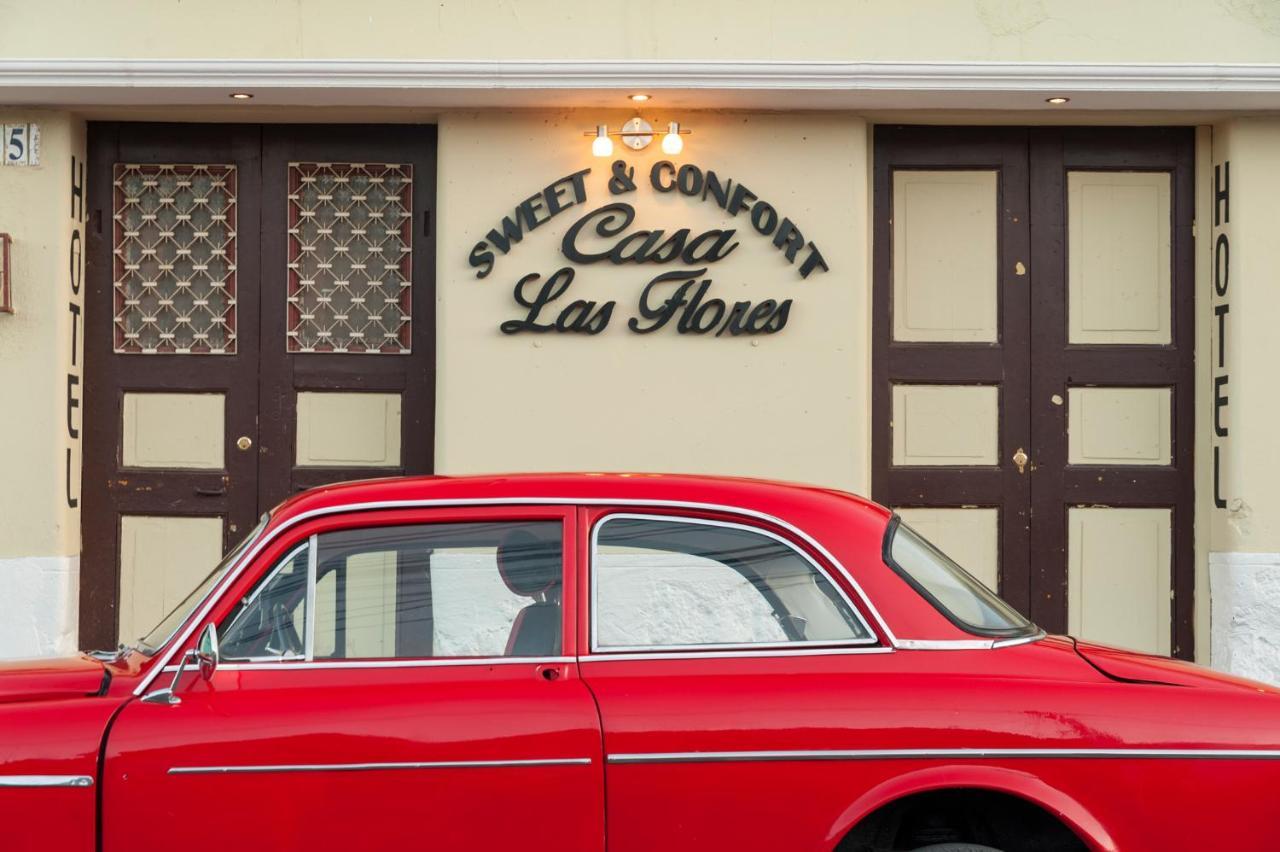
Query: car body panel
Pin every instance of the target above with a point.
(50, 679)
(49, 770)
(750, 750)
(350, 758)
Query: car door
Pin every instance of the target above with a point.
(387, 680)
(727, 661)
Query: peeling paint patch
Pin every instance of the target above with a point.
(1011, 17)
(1262, 14)
(1245, 612)
(40, 597)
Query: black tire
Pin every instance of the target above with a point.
(956, 847)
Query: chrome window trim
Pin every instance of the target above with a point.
(179, 639)
(377, 767)
(596, 648)
(46, 780)
(1020, 640)
(309, 616)
(298, 664)
(948, 754)
(968, 644)
(826, 651)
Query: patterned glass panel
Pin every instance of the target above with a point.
(350, 257)
(175, 259)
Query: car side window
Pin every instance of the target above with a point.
(427, 590)
(269, 622)
(664, 582)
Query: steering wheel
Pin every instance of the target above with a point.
(284, 637)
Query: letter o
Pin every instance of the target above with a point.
(689, 179)
(1221, 265)
(764, 218)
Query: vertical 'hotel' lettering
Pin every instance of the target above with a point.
(75, 264)
(1221, 307)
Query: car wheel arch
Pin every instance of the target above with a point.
(1014, 783)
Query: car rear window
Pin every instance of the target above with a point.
(955, 592)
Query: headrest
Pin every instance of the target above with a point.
(529, 565)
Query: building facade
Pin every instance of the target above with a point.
(1004, 265)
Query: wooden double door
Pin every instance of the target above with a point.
(1033, 366)
(259, 321)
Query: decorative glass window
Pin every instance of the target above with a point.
(175, 259)
(350, 257)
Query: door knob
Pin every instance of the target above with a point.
(244, 442)
(1020, 459)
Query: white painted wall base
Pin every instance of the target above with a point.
(41, 604)
(1244, 592)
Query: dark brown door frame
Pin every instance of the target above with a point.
(1004, 363)
(1057, 365)
(109, 489)
(259, 380)
(285, 373)
(1033, 328)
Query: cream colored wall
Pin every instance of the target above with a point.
(1014, 30)
(39, 526)
(791, 405)
(35, 345)
(1250, 457)
(1244, 562)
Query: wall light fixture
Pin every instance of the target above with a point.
(636, 134)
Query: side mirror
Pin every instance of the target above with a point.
(207, 651)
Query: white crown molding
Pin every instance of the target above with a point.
(591, 75)
(1119, 88)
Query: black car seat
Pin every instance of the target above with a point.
(532, 567)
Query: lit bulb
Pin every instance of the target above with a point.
(602, 145)
(672, 143)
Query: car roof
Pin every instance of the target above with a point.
(782, 499)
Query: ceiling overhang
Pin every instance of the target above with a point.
(813, 85)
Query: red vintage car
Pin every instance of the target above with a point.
(631, 663)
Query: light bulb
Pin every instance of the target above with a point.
(602, 145)
(672, 143)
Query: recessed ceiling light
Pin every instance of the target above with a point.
(1057, 100)
(241, 96)
(639, 98)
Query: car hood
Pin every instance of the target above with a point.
(1134, 667)
(37, 680)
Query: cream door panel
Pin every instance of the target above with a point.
(1118, 574)
(945, 256)
(348, 430)
(945, 424)
(1119, 425)
(1119, 281)
(969, 536)
(161, 560)
(173, 430)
